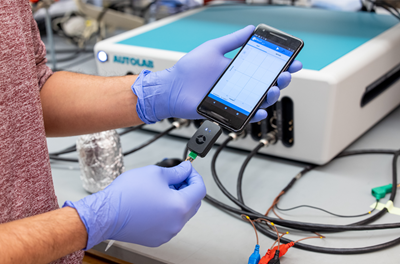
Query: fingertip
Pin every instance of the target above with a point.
(234, 40)
(183, 167)
(186, 164)
(273, 95)
(250, 27)
(178, 174)
(295, 66)
(284, 79)
(259, 115)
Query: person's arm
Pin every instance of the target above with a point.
(76, 103)
(146, 206)
(42, 238)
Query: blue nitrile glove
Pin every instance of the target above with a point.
(176, 92)
(146, 206)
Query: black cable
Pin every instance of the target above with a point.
(388, 7)
(396, 10)
(131, 129)
(331, 228)
(165, 132)
(395, 154)
(390, 11)
(241, 172)
(64, 151)
(150, 141)
(323, 210)
(299, 225)
(54, 155)
(365, 152)
(185, 152)
(302, 226)
(287, 223)
(311, 227)
(343, 154)
(272, 235)
(341, 251)
(218, 182)
(394, 176)
(394, 179)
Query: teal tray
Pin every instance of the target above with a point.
(328, 35)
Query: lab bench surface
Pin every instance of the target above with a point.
(212, 236)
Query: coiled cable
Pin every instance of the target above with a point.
(359, 226)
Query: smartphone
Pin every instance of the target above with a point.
(243, 86)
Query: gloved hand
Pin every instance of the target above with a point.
(176, 92)
(146, 206)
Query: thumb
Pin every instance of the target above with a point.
(233, 41)
(177, 174)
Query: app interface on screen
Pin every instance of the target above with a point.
(250, 75)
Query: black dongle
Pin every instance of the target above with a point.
(204, 138)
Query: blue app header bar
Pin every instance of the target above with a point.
(271, 46)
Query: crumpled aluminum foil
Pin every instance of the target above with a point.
(100, 159)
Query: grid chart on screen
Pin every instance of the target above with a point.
(250, 75)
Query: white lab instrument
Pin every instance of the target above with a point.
(350, 79)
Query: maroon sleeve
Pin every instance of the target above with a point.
(42, 70)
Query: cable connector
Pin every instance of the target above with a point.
(255, 257)
(270, 138)
(380, 192)
(275, 259)
(271, 253)
(283, 248)
(266, 258)
(191, 157)
(204, 138)
(236, 136)
(181, 122)
(298, 176)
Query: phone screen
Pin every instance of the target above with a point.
(248, 77)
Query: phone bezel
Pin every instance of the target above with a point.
(261, 28)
